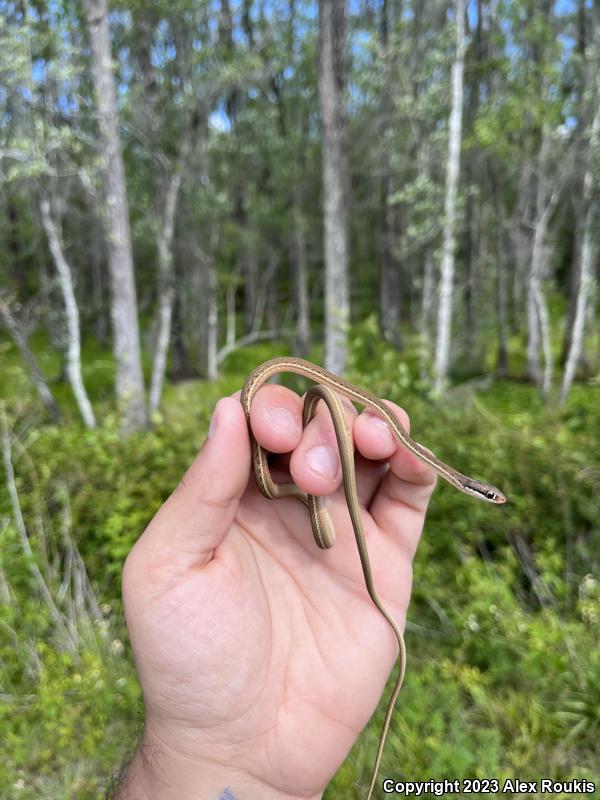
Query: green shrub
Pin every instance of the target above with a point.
(504, 672)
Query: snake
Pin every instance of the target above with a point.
(328, 386)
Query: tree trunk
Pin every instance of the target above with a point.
(586, 262)
(502, 247)
(501, 302)
(65, 278)
(166, 288)
(181, 363)
(212, 328)
(472, 338)
(521, 241)
(249, 269)
(126, 345)
(246, 259)
(538, 342)
(585, 78)
(442, 348)
(389, 268)
(426, 311)
(538, 317)
(40, 383)
(332, 92)
(95, 256)
(302, 340)
(425, 321)
(389, 271)
(209, 301)
(269, 296)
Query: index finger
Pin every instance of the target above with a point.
(406, 488)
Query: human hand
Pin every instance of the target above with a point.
(261, 657)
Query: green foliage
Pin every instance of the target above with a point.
(503, 675)
(64, 710)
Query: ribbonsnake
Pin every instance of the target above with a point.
(327, 385)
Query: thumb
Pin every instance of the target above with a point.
(196, 517)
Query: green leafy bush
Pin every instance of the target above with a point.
(504, 671)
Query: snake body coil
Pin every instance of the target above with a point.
(327, 385)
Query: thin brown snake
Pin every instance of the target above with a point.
(327, 384)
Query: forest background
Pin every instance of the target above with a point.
(406, 192)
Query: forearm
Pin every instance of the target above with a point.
(157, 774)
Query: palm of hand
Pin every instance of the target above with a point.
(270, 655)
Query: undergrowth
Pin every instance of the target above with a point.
(504, 668)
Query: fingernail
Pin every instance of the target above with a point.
(213, 425)
(283, 419)
(379, 423)
(323, 460)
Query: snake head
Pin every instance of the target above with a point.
(484, 491)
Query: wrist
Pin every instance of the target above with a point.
(157, 772)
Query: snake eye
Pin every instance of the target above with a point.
(491, 495)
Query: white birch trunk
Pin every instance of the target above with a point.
(586, 261)
(161, 349)
(444, 321)
(534, 291)
(126, 335)
(538, 317)
(534, 305)
(65, 278)
(166, 290)
(546, 334)
(332, 91)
